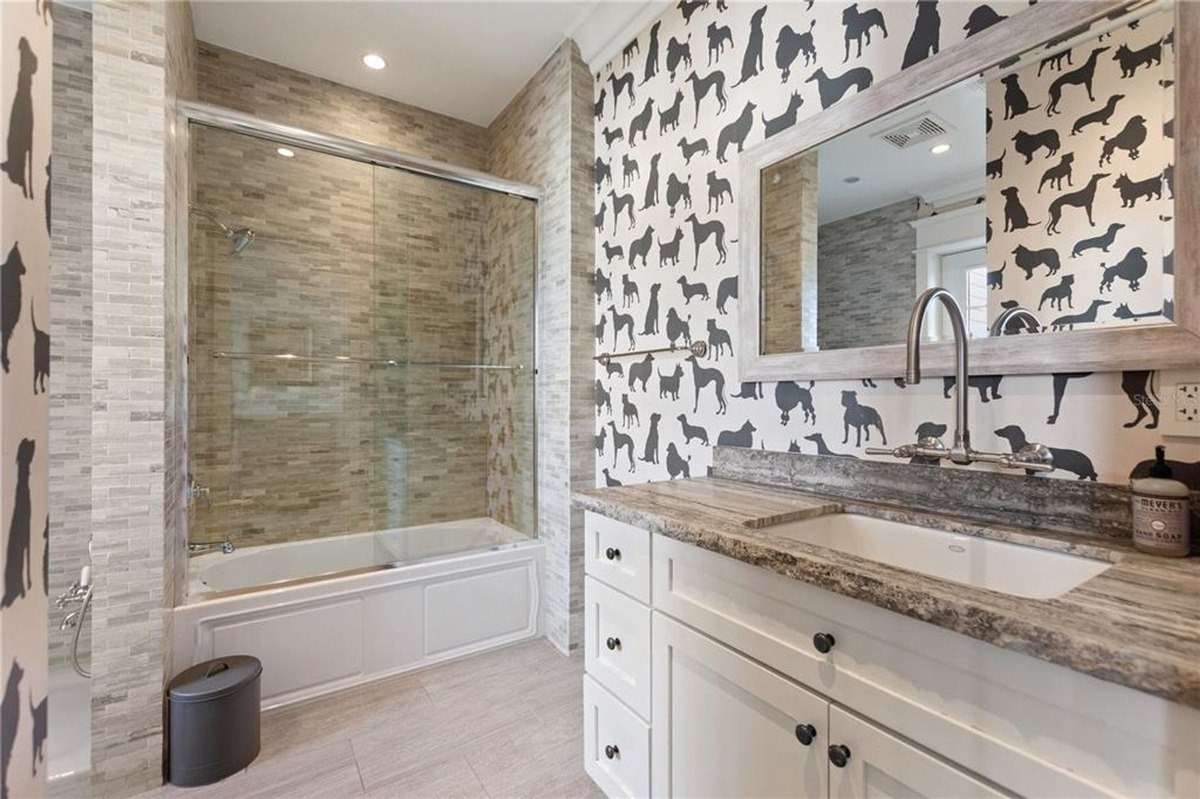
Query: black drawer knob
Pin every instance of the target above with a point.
(612, 553)
(806, 733)
(823, 642)
(839, 755)
(611, 751)
(613, 643)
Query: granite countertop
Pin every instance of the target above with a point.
(1137, 624)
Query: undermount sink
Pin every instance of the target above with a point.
(980, 562)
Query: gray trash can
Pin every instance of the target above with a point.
(213, 720)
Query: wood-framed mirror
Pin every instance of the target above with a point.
(1049, 162)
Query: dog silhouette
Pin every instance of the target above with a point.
(752, 57)
(995, 278)
(641, 122)
(691, 431)
(786, 119)
(640, 247)
(611, 136)
(621, 321)
(1131, 191)
(1055, 175)
(612, 367)
(793, 446)
(668, 251)
(1168, 177)
(679, 53)
(621, 442)
(668, 385)
(1080, 76)
(677, 191)
(603, 286)
(1055, 62)
(621, 84)
(598, 109)
(650, 198)
(1130, 139)
(10, 299)
(599, 218)
(603, 173)
(650, 327)
(676, 465)
(832, 89)
(925, 36)
(727, 289)
(1132, 60)
(984, 384)
(1056, 294)
(611, 251)
(1068, 460)
(603, 398)
(652, 53)
(822, 449)
(1124, 312)
(995, 167)
(1102, 116)
(1085, 198)
(627, 52)
(702, 377)
(622, 203)
(629, 412)
(718, 190)
(789, 396)
(678, 328)
(750, 391)
(629, 292)
(641, 371)
(689, 150)
(980, 19)
(858, 26)
(736, 132)
(689, 7)
(718, 37)
(861, 417)
(38, 714)
(41, 355)
(18, 563)
(718, 341)
(629, 171)
(702, 232)
(1060, 388)
(1027, 144)
(10, 716)
(669, 119)
(19, 162)
(1015, 101)
(1015, 216)
(742, 437)
(650, 451)
(713, 81)
(1029, 260)
(609, 480)
(1132, 268)
(692, 290)
(1139, 388)
(789, 45)
(1087, 317)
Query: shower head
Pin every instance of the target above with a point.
(241, 238)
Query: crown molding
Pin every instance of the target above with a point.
(607, 27)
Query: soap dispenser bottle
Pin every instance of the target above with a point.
(1161, 511)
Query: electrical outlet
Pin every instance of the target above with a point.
(1178, 395)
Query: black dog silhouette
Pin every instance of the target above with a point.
(10, 299)
(1068, 460)
(668, 251)
(692, 290)
(41, 355)
(1130, 139)
(603, 398)
(995, 167)
(669, 119)
(718, 190)
(611, 136)
(718, 341)
(1087, 317)
(714, 80)
(1139, 388)
(19, 163)
(640, 247)
(1055, 62)
(736, 132)
(650, 199)
(629, 412)
(752, 58)
(1131, 191)
(980, 19)
(599, 218)
(789, 395)
(1084, 198)
(650, 327)
(1102, 116)
(612, 367)
(691, 431)
(858, 26)
(925, 36)
(742, 437)
(1080, 76)
(678, 191)
(1056, 294)
(629, 292)
(609, 480)
(676, 465)
(598, 109)
(621, 442)
(702, 232)
(984, 384)
(789, 45)
(750, 391)
(819, 440)
(668, 385)
(1015, 101)
(678, 328)
(718, 37)
(1027, 144)
(832, 89)
(689, 7)
(602, 172)
(621, 84)
(611, 252)
(627, 52)
(1132, 268)
(40, 730)
(642, 370)
(1101, 242)
(651, 54)
(18, 563)
(679, 53)
(995, 278)
(786, 119)
(621, 321)
(1056, 174)
(650, 450)
(1132, 60)
(701, 377)
(1124, 312)
(727, 289)
(10, 718)
(1029, 260)
(622, 203)
(1060, 388)
(641, 122)
(689, 150)
(629, 171)
(603, 286)
(861, 417)
(1015, 215)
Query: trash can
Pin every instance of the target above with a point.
(213, 720)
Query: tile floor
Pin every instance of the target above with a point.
(503, 724)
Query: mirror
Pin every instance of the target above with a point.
(1046, 182)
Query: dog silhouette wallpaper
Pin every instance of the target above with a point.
(747, 71)
(25, 92)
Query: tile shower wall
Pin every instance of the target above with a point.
(657, 419)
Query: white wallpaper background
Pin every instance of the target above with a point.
(670, 115)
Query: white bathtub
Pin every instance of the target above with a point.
(337, 612)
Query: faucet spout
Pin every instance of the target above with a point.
(961, 451)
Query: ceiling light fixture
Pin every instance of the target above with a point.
(374, 61)
(285, 152)
(940, 149)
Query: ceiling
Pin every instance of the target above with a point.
(462, 59)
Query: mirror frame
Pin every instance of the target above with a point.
(1175, 344)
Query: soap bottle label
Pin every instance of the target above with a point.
(1161, 523)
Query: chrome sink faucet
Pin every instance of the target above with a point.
(1034, 457)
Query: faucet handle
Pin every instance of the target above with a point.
(1034, 457)
(927, 447)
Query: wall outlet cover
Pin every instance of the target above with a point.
(1178, 396)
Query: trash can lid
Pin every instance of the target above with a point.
(214, 678)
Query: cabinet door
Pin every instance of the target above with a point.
(724, 726)
(874, 763)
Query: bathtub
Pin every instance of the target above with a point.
(330, 613)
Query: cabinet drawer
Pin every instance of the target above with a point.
(616, 649)
(618, 554)
(616, 744)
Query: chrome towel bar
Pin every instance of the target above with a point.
(346, 359)
(697, 348)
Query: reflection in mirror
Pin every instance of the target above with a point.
(1045, 183)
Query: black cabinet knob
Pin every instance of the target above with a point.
(839, 755)
(613, 643)
(612, 553)
(823, 642)
(806, 733)
(611, 751)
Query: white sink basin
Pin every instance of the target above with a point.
(996, 565)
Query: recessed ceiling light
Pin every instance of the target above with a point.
(939, 149)
(851, 179)
(374, 61)
(285, 152)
